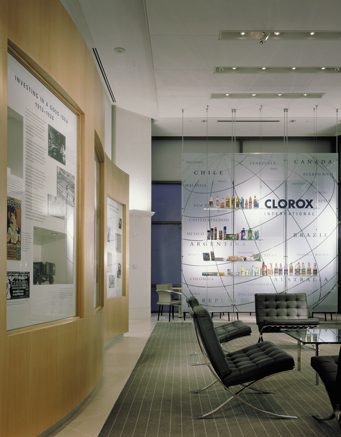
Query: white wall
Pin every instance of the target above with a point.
(132, 154)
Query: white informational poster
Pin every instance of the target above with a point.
(41, 202)
(259, 223)
(114, 248)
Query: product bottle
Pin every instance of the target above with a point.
(220, 235)
(270, 270)
(249, 234)
(264, 269)
(285, 269)
(237, 202)
(297, 269)
(291, 269)
(215, 233)
(217, 202)
(233, 202)
(212, 234)
(246, 204)
(208, 234)
(224, 232)
(242, 202)
(276, 270)
(243, 234)
(222, 203)
(227, 202)
(303, 269)
(253, 271)
(242, 271)
(250, 203)
(280, 269)
(309, 270)
(211, 201)
(255, 202)
(315, 270)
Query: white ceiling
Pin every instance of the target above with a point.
(172, 48)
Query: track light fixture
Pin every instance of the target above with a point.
(264, 38)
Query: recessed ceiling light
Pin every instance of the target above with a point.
(293, 68)
(242, 33)
(323, 68)
(221, 69)
(234, 68)
(119, 50)
(279, 95)
(305, 95)
(312, 33)
(254, 95)
(277, 33)
(263, 68)
(227, 95)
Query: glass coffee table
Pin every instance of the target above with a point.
(314, 337)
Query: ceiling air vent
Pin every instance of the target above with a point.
(100, 66)
(248, 121)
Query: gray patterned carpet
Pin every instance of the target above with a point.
(156, 402)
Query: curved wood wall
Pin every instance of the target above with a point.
(48, 370)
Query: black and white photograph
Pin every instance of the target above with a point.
(18, 285)
(66, 186)
(56, 146)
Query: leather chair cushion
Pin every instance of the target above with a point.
(327, 367)
(257, 361)
(231, 330)
(210, 341)
(290, 309)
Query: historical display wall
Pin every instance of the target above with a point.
(41, 202)
(259, 223)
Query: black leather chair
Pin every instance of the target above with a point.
(277, 311)
(245, 366)
(329, 370)
(225, 331)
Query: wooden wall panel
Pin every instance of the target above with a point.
(116, 308)
(48, 370)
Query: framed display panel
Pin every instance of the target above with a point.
(259, 223)
(116, 250)
(98, 223)
(115, 229)
(42, 155)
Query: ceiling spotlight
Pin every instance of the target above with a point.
(263, 68)
(293, 68)
(234, 68)
(305, 95)
(227, 95)
(279, 95)
(323, 68)
(312, 33)
(242, 33)
(254, 95)
(277, 33)
(337, 69)
(264, 38)
(221, 69)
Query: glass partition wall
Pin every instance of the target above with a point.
(260, 210)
